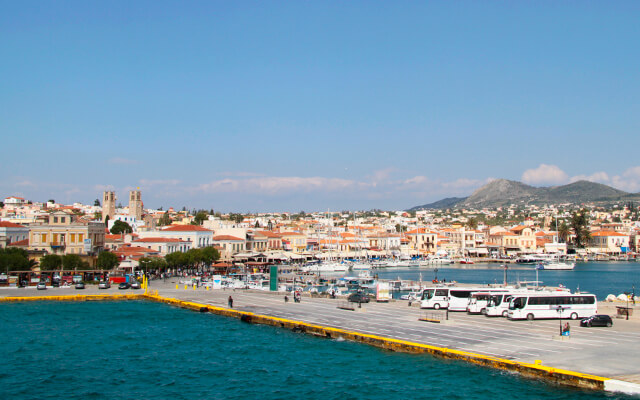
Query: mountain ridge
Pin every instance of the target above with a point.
(503, 192)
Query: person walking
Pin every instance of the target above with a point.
(230, 302)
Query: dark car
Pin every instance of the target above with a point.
(55, 283)
(124, 285)
(358, 297)
(597, 320)
(80, 285)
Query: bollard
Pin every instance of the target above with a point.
(177, 287)
(194, 287)
(538, 362)
(185, 287)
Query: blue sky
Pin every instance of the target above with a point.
(289, 106)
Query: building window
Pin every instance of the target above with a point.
(55, 220)
(62, 219)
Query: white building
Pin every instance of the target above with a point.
(197, 235)
(11, 233)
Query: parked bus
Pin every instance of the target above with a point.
(452, 298)
(552, 305)
(479, 300)
(498, 305)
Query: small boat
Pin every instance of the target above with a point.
(556, 265)
(466, 261)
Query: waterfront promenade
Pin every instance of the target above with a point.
(606, 352)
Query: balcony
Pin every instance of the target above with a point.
(57, 245)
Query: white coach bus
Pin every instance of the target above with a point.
(452, 298)
(552, 305)
(478, 302)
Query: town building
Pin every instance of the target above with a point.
(64, 233)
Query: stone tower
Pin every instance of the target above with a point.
(135, 204)
(108, 205)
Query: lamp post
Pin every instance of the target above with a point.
(627, 311)
(506, 267)
(559, 309)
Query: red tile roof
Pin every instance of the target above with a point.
(186, 228)
(226, 237)
(24, 242)
(7, 224)
(157, 240)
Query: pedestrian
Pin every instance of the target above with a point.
(230, 302)
(286, 299)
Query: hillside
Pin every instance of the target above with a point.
(502, 192)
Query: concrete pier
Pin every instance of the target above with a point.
(597, 358)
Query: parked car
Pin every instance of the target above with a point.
(41, 286)
(80, 285)
(124, 285)
(104, 285)
(55, 283)
(135, 285)
(358, 297)
(597, 320)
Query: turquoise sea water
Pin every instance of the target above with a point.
(600, 279)
(140, 350)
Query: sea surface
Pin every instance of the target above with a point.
(600, 279)
(142, 350)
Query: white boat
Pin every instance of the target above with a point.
(556, 265)
(436, 261)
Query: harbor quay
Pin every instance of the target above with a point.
(599, 358)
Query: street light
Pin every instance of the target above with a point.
(559, 309)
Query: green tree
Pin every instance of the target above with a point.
(13, 259)
(51, 201)
(210, 255)
(177, 259)
(96, 203)
(563, 232)
(165, 219)
(107, 260)
(200, 217)
(50, 262)
(472, 223)
(579, 224)
(71, 261)
(120, 227)
(153, 263)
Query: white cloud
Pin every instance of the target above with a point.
(628, 181)
(545, 174)
(279, 184)
(159, 182)
(240, 174)
(600, 177)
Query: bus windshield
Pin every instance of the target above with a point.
(427, 294)
(517, 302)
(495, 300)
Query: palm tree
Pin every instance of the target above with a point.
(563, 232)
